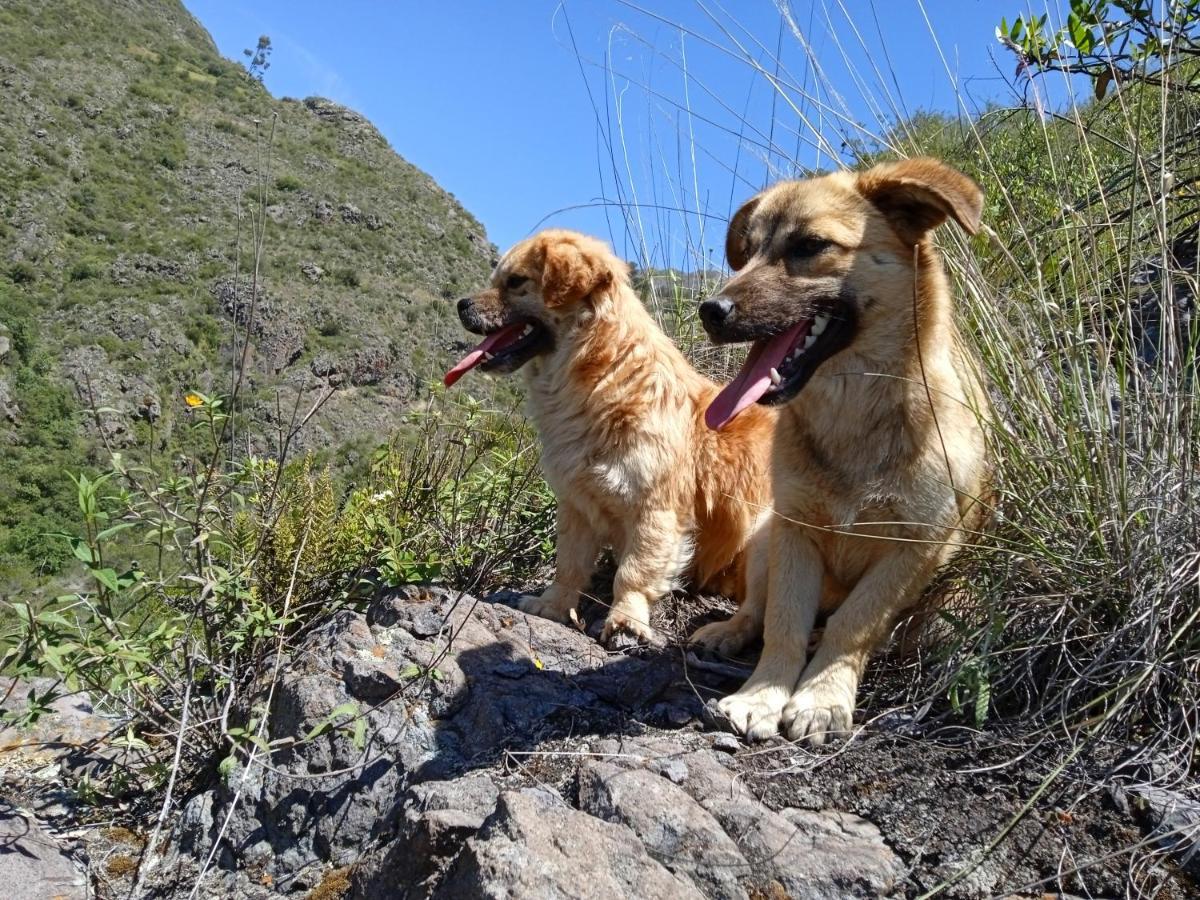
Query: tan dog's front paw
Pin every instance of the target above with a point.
(619, 623)
(550, 607)
(820, 710)
(726, 638)
(755, 712)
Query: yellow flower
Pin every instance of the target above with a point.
(193, 400)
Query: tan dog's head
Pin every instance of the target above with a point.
(540, 290)
(823, 264)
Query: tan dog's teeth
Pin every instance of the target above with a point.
(528, 331)
(486, 357)
(775, 377)
(809, 341)
(818, 325)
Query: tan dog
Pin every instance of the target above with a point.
(620, 414)
(879, 467)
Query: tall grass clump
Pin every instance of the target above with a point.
(1078, 299)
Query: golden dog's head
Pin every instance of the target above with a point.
(823, 264)
(540, 290)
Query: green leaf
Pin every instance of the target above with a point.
(116, 529)
(983, 700)
(83, 551)
(108, 578)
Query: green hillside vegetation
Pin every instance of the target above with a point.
(137, 169)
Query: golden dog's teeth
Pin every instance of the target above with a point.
(818, 325)
(528, 330)
(775, 377)
(486, 357)
(809, 341)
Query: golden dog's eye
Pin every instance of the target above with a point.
(806, 247)
(515, 281)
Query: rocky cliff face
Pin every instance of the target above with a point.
(136, 169)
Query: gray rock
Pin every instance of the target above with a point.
(1175, 822)
(69, 722)
(9, 410)
(530, 848)
(726, 743)
(33, 866)
(312, 272)
(677, 831)
(816, 856)
(432, 712)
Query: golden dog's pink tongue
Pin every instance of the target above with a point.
(501, 338)
(754, 378)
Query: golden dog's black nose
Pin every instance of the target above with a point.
(463, 305)
(715, 312)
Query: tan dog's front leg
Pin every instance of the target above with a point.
(823, 705)
(653, 554)
(575, 559)
(793, 596)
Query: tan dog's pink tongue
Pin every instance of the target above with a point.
(754, 378)
(503, 337)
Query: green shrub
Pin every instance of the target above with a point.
(288, 183)
(22, 272)
(85, 269)
(347, 277)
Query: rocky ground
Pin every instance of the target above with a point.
(478, 752)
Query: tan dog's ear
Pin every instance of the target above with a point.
(569, 274)
(737, 239)
(917, 195)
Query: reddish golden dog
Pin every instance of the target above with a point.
(620, 415)
(879, 464)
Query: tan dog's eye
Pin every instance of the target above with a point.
(806, 247)
(515, 281)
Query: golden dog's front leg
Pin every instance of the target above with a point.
(653, 554)
(793, 596)
(823, 705)
(575, 559)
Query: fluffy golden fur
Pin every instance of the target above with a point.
(879, 463)
(619, 412)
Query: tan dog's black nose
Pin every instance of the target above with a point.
(463, 305)
(715, 312)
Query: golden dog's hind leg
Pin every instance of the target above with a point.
(823, 705)
(730, 637)
(793, 596)
(575, 559)
(653, 555)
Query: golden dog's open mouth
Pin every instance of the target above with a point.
(778, 366)
(504, 350)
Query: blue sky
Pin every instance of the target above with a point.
(536, 112)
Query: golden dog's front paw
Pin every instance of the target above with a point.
(726, 638)
(821, 709)
(550, 606)
(755, 712)
(621, 623)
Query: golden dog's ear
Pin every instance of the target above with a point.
(569, 274)
(917, 195)
(737, 239)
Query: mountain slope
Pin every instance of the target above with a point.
(135, 166)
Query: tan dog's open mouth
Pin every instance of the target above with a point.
(777, 367)
(504, 350)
